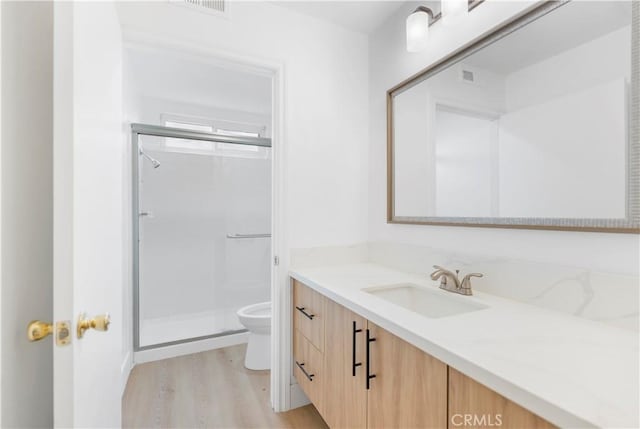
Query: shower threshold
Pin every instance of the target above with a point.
(181, 328)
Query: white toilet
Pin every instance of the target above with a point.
(257, 319)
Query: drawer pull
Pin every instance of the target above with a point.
(306, 374)
(301, 310)
(369, 375)
(353, 351)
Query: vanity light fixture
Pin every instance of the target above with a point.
(418, 28)
(422, 18)
(454, 10)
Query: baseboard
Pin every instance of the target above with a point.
(298, 398)
(189, 348)
(125, 371)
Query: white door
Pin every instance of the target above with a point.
(90, 246)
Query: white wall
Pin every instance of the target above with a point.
(574, 165)
(596, 62)
(414, 153)
(465, 149)
(389, 64)
(165, 84)
(325, 96)
(582, 98)
(26, 250)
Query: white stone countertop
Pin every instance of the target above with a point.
(573, 372)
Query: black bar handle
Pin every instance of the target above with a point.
(301, 310)
(369, 375)
(301, 366)
(353, 351)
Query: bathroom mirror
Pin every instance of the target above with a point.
(534, 126)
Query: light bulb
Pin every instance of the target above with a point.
(453, 10)
(417, 31)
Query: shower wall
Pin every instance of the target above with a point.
(193, 278)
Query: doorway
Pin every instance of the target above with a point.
(170, 89)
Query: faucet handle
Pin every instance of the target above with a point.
(473, 275)
(466, 282)
(467, 279)
(434, 274)
(439, 268)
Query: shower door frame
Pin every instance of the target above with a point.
(137, 130)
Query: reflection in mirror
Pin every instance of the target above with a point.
(534, 125)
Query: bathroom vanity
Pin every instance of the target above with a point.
(369, 359)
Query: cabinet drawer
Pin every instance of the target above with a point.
(308, 314)
(308, 368)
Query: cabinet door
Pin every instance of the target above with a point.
(473, 405)
(409, 389)
(345, 395)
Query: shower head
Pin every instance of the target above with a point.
(154, 162)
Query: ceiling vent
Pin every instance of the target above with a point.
(215, 7)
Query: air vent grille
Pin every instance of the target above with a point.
(468, 76)
(217, 5)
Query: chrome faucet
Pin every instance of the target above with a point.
(450, 281)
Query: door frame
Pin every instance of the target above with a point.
(280, 288)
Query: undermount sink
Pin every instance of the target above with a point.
(424, 301)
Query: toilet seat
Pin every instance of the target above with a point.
(256, 311)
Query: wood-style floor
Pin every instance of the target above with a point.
(206, 390)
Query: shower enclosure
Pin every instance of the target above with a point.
(201, 232)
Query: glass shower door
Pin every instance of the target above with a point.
(198, 201)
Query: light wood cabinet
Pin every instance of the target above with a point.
(358, 375)
(308, 342)
(309, 369)
(345, 394)
(410, 387)
(473, 405)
